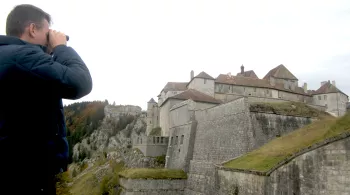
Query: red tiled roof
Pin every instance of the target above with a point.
(204, 75)
(280, 72)
(249, 73)
(255, 82)
(244, 81)
(151, 101)
(328, 88)
(195, 96)
(175, 86)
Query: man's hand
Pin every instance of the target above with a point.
(56, 38)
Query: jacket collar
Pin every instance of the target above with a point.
(10, 40)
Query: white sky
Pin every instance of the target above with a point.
(134, 47)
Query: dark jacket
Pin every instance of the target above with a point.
(32, 85)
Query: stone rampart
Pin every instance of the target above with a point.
(227, 131)
(152, 186)
(321, 169)
(220, 134)
(151, 145)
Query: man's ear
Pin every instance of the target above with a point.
(31, 30)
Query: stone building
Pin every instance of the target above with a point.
(278, 85)
(331, 97)
(209, 120)
(152, 115)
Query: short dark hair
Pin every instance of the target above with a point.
(21, 16)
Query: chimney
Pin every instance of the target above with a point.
(192, 74)
(323, 82)
(242, 69)
(333, 83)
(305, 87)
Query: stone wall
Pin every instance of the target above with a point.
(240, 183)
(151, 145)
(164, 114)
(265, 127)
(216, 140)
(227, 131)
(182, 130)
(205, 86)
(115, 111)
(334, 102)
(152, 116)
(182, 133)
(152, 186)
(322, 169)
(234, 90)
(163, 96)
(251, 99)
(325, 170)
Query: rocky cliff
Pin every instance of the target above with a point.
(114, 136)
(106, 150)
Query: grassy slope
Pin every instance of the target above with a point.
(140, 173)
(269, 155)
(286, 108)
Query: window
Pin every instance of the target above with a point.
(176, 139)
(254, 89)
(182, 139)
(325, 97)
(154, 140)
(319, 97)
(157, 139)
(205, 81)
(141, 140)
(162, 140)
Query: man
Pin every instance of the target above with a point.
(33, 144)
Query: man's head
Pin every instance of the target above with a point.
(29, 23)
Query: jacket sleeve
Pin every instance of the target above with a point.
(65, 69)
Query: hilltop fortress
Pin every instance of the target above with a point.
(207, 121)
(278, 85)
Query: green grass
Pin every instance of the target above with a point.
(86, 185)
(286, 108)
(279, 149)
(153, 173)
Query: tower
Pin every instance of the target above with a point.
(152, 115)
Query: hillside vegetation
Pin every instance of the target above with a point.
(82, 119)
(269, 155)
(287, 108)
(100, 147)
(143, 173)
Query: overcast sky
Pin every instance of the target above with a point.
(133, 48)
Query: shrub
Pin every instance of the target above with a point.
(111, 181)
(62, 184)
(160, 159)
(156, 131)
